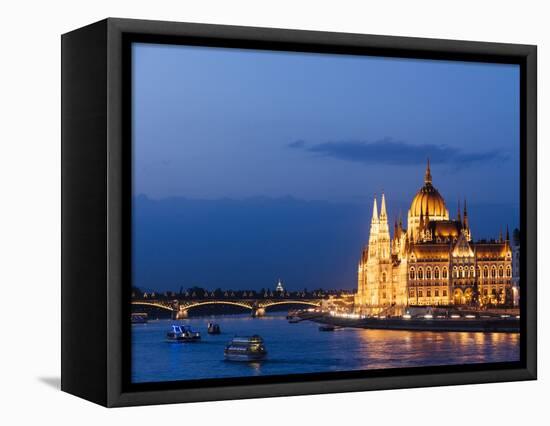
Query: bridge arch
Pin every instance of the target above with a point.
(289, 302)
(156, 305)
(215, 302)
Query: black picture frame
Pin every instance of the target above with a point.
(96, 180)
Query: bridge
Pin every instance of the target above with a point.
(180, 307)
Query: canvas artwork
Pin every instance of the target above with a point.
(305, 213)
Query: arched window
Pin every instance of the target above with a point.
(485, 272)
(436, 273)
(429, 273)
(493, 271)
(455, 272)
(411, 274)
(500, 271)
(478, 272)
(508, 272)
(384, 277)
(420, 274)
(445, 273)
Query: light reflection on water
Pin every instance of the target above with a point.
(302, 348)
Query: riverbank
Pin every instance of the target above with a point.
(486, 325)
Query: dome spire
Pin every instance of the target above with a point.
(428, 174)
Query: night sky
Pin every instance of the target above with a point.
(251, 166)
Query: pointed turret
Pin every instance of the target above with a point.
(374, 228)
(428, 174)
(374, 211)
(399, 225)
(395, 240)
(383, 230)
(458, 218)
(383, 213)
(500, 236)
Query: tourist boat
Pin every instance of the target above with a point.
(183, 333)
(327, 327)
(213, 328)
(245, 349)
(139, 318)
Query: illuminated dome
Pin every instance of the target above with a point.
(428, 201)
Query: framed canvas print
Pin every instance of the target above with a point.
(253, 212)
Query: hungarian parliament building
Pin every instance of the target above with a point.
(434, 261)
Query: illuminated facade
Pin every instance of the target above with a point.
(432, 262)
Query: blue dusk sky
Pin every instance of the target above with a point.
(253, 165)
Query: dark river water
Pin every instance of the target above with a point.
(302, 348)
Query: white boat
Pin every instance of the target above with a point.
(245, 349)
(139, 318)
(182, 333)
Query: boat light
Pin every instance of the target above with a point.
(455, 316)
(470, 316)
(407, 316)
(428, 316)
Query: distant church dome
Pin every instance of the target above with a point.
(428, 201)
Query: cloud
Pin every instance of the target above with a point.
(390, 152)
(297, 144)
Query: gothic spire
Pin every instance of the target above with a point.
(466, 225)
(383, 214)
(374, 211)
(458, 217)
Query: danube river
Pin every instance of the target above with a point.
(302, 348)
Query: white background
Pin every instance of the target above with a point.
(30, 210)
